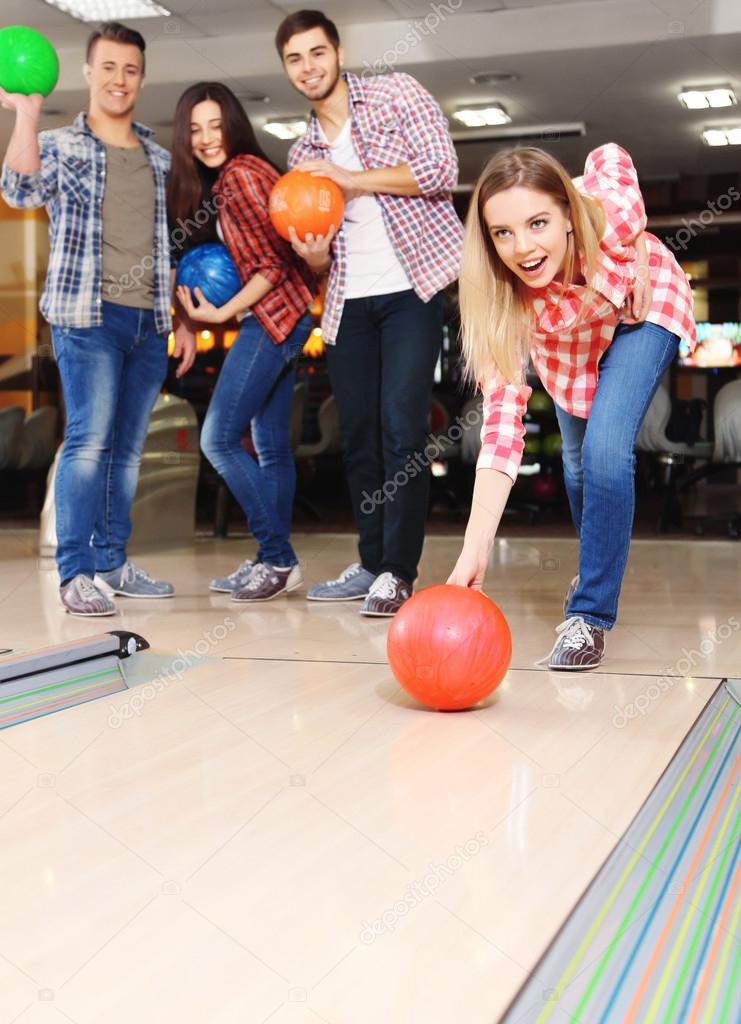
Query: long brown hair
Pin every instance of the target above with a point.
(190, 180)
(496, 316)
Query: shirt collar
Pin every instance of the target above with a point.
(81, 127)
(356, 95)
(558, 310)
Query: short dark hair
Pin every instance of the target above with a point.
(304, 21)
(118, 33)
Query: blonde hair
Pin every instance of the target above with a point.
(496, 317)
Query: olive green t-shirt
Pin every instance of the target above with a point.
(128, 228)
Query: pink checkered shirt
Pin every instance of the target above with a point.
(565, 353)
(395, 121)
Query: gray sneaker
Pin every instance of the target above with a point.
(129, 581)
(353, 584)
(82, 598)
(235, 580)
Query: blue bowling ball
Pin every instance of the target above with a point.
(210, 268)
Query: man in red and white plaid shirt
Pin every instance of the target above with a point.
(386, 143)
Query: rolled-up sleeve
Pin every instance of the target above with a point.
(260, 249)
(503, 431)
(611, 177)
(434, 163)
(30, 191)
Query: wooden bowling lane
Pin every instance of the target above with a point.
(264, 828)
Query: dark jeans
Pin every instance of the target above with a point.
(110, 376)
(599, 464)
(256, 386)
(381, 370)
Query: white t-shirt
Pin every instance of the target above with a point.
(373, 267)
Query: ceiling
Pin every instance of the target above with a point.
(615, 65)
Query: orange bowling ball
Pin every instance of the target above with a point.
(449, 647)
(311, 204)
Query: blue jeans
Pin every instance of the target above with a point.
(599, 464)
(381, 371)
(110, 376)
(255, 386)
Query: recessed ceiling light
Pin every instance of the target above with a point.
(707, 96)
(722, 136)
(492, 77)
(286, 128)
(110, 10)
(249, 96)
(482, 116)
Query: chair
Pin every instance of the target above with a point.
(11, 432)
(329, 433)
(328, 444)
(726, 452)
(39, 439)
(672, 457)
(163, 512)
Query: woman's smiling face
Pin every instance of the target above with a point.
(530, 232)
(206, 134)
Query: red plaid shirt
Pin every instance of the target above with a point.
(395, 121)
(245, 184)
(565, 353)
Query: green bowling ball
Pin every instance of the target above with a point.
(552, 445)
(532, 444)
(28, 61)
(540, 403)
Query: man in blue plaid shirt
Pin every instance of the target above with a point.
(107, 297)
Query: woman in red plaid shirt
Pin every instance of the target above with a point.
(564, 273)
(213, 139)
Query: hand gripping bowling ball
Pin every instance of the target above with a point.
(28, 62)
(210, 268)
(449, 647)
(308, 203)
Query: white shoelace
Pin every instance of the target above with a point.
(345, 575)
(132, 573)
(258, 576)
(383, 586)
(241, 570)
(87, 589)
(577, 634)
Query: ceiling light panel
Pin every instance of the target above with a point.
(287, 130)
(110, 10)
(722, 136)
(707, 97)
(482, 116)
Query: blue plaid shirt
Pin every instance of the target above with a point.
(71, 183)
